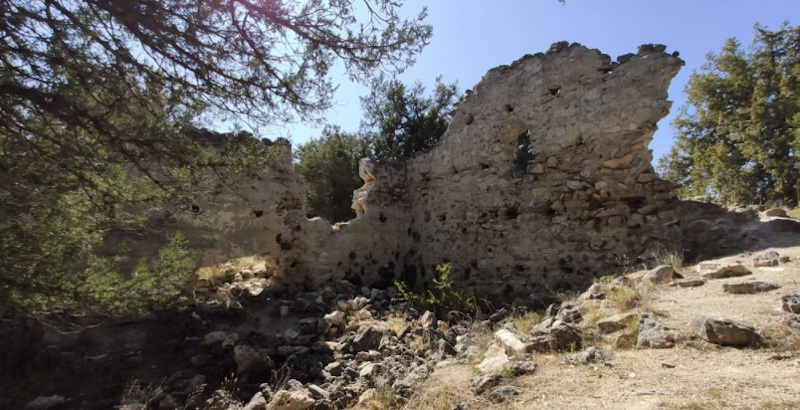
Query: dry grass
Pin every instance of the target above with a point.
(443, 391)
(397, 323)
(794, 213)
(253, 263)
(210, 272)
(525, 323)
(627, 337)
(780, 337)
(625, 297)
(380, 398)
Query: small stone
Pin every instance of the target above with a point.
(791, 302)
(247, 359)
(522, 368)
(503, 393)
(495, 360)
(485, 381)
(334, 368)
(654, 334)
(230, 341)
(510, 342)
(291, 400)
(574, 185)
(428, 320)
(363, 314)
(283, 310)
(728, 271)
(214, 338)
(370, 370)
(771, 258)
(318, 392)
(616, 322)
(290, 334)
(749, 288)
(46, 402)
(689, 282)
(369, 338)
(589, 355)
(335, 318)
(667, 365)
(660, 274)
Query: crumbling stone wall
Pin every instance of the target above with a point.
(544, 177)
(543, 180)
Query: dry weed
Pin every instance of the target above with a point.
(625, 297)
(382, 397)
(780, 337)
(443, 396)
(525, 323)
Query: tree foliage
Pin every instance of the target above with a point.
(97, 98)
(737, 138)
(329, 166)
(400, 121)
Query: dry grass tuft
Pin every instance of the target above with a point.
(525, 323)
(625, 297)
(627, 337)
(381, 398)
(794, 213)
(443, 395)
(397, 323)
(780, 337)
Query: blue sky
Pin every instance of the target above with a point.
(472, 36)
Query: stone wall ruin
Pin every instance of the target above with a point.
(543, 180)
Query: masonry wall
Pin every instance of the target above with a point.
(542, 181)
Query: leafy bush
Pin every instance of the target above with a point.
(441, 296)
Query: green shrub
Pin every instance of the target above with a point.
(441, 296)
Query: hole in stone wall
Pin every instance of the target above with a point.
(258, 213)
(512, 212)
(442, 217)
(469, 119)
(484, 166)
(524, 154)
(508, 108)
(195, 208)
(278, 238)
(382, 217)
(554, 90)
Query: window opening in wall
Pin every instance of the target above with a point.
(524, 153)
